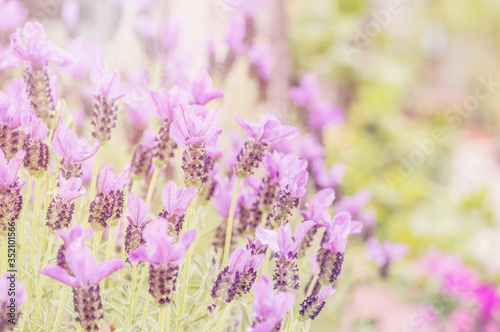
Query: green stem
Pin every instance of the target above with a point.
(131, 295)
(53, 300)
(161, 319)
(169, 313)
(210, 319)
(140, 286)
(59, 310)
(308, 326)
(224, 317)
(94, 174)
(290, 318)
(229, 229)
(108, 254)
(145, 313)
(152, 185)
(40, 282)
(35, 217)
(23, 219)
(266, 260)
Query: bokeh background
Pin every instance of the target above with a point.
(413, 91)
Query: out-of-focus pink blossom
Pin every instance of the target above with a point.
(167, 101)
(338, 228)
(307, 92)
(315, 210)
(384, 253)
(13, 14)
(70, 13)
(105, 84)
(353, 204)
(262, 61)
(268, 130)
(202, 90)
(323, 113)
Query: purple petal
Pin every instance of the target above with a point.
(105, 268)
(60, 274)
(267, 237)
(325, 293)
(137, 208)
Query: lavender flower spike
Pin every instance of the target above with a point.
(11, 201)
(286, 277)
(61, 207)
(384, 253)
(74, 233)
(37, 152)
(176, 200)
(312, 306)
(84, 278)
(270, 308)
(268, 130)
(107, 206)
(164, 257)
(137, 221)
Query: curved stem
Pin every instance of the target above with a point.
(59, 310)
(152, 185)
(53, 300)
(229, 228)
(145, 313)
(140, 286)
(224, 317)
(290, 318)
(25, 208)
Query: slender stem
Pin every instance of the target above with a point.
(266, 260)
(210, 319)
(23, 219)
(308, 326)
(131, 295)
(145, 313)
(229, 229)
(161, 319)
(169, 313)
(94, 174)
(44, 238)
(264, 219)
(97, 237)
(140, 286)
(108, 254)
(60, 309)
(290, 318)
(40, 281)
(53, 300)
(152, 185)
(224, 317)
(35, 217)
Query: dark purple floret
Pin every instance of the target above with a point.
(59, 214)
(88, 307)
(310, 309)
(249, 158)
(162, 280)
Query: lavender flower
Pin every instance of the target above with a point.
(12, 297)
(202, 89)
(237, 278)
(268, 130)
(286, 276)
(107, 92)
(304, 95)
(84, 278)
(61, 207)
(11, 201)
(107, 206)
(143, 155)
(384, 253)
(166, 102)
(314, 303)
(176, 200)
(164, 257)
(74, 233)
(137, 221)
(72, 150)
(36, 53)
(195, 128)
(37, 152)
(270, 308)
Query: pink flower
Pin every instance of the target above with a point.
(73, 150)
(250, 7)
(384, 253)
(235, 37)
(281, 241)
(354, 204)
(192, 128)
(327, 178)
(8, 170)
(488, 299)
(162, 249)
(277, 164)
(296, 178)
(262, 60)
(307, 92)
(175, 199)
(224, 195)
(83, 265)
(35, 128)
(83, 53)
(269, 308)
(322, 114)
(13, 14)
(167, 101)
(8, 282)
(14, 106)
(268, 130)
(109, 182)
(105, 84)
(202, 89)
(70, 13)
(74, 233)
(338, 228)
(69, 189)
(138, 210)
(323, 199)
(305, 146)
(36, 51)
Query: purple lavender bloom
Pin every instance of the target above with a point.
(322, 114)
(164, 257)
(268, 130)
(37, 152)
(307, 92)
(137, 221)
(384, 253)
(354, 204)
(107, 207)
(72, 150)
(237, 278)
(202, 90)
(62, 207)
(84, 278)
(68, 237)
(167, 101)
(313, 304)
(176, 200)
(11, 201)
(14, 13)
(327, 178)
(195, 128)
(270, 308)
(143, 154)
(10, 301)
(286, 277)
